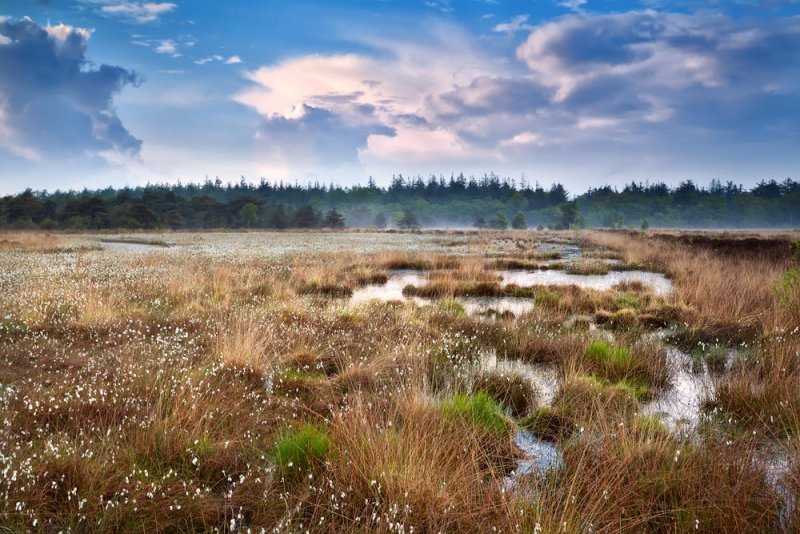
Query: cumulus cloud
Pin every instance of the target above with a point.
(637, 81)
(52, 100)
(133, 11)
(382, 96)
(650, 65)
(316, 137)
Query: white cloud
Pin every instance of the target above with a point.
(167, 46)
(4, 40)
(232, 60)
(518, 23)
(136, 12)
(523, 138)
(575, 5)
(60, 32)
(417, 145)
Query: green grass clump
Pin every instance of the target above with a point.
(479, 409)
(626, 301)
(450, 306)
(586, 397)
(300, 449)
(648, 427)
(615, 361)
(547, 299)
(303, 376)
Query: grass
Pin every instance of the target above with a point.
(479, 410)
(300, 449)
(644, 366)
(170, 391)
(512, 391)
(549, 424)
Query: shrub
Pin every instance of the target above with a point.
(479, 410)
(300, 449)
(518, 222)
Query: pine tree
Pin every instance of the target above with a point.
(499, 222)
(518, 222)
(333, 219)
(248, 215)
(408, 220)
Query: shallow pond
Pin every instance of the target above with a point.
(393, 288)
(500, 305)
(680, 405)
(568, 252)
(544, 378)
(601, 282)
(540, 456)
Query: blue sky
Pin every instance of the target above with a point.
(585, 92)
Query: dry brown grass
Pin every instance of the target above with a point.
(149, 394)
(29, 241)
(732, 294)
(626, 481)
(386, 470)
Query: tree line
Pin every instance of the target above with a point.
(486, 202)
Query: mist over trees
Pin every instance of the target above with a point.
(489, 201)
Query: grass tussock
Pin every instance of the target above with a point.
(479, 410)
(512, 391)
(626, 483)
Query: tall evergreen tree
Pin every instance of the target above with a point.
(333, 219)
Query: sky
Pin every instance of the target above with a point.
(97, 93)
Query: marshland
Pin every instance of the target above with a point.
(535, 381)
